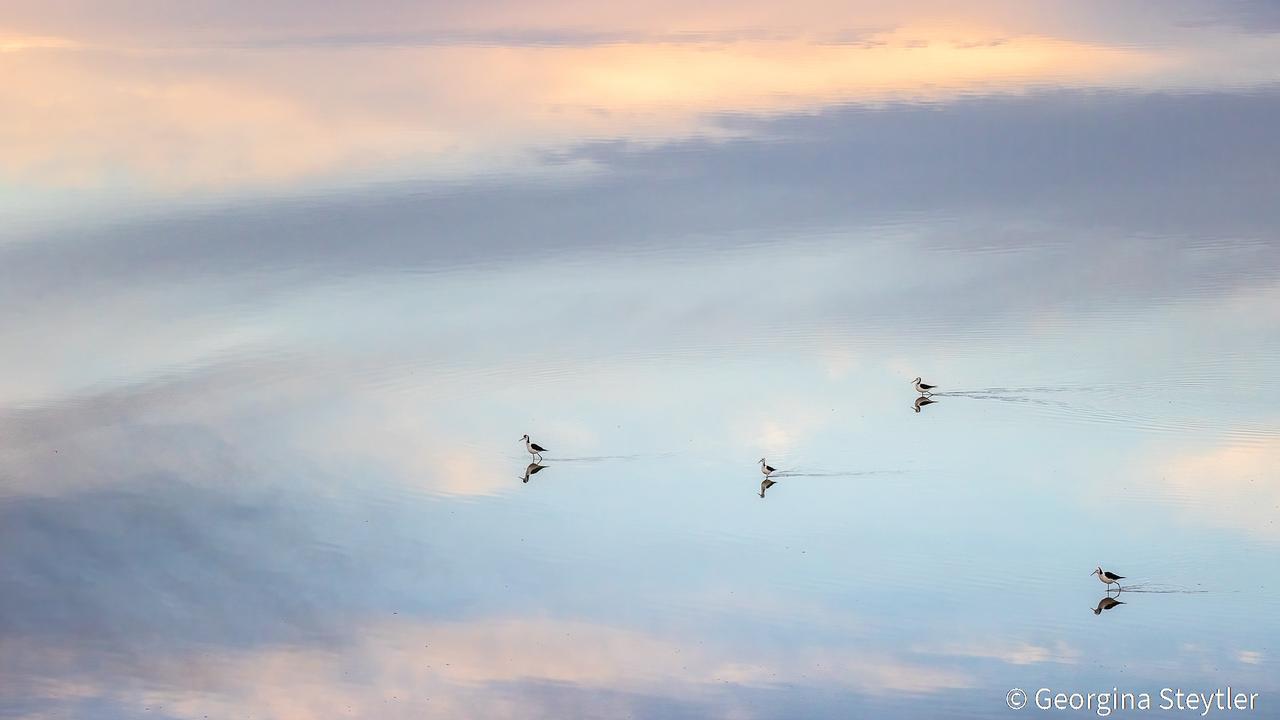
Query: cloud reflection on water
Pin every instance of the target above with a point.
(175, 112)
(313, 269)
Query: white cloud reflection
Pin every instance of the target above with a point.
(1233, 485)
(493, 667)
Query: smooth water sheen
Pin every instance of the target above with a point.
(282, 286)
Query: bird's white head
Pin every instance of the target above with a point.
(1097, 571)
(523, 438)
(761, 461)
(916, 380)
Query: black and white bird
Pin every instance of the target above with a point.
(764, 468)
(534, 448)
(924, 389)
(533, 469)
(1106, 603)
(921, 402)
(765, 485)
(1108, 578)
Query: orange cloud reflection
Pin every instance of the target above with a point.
(173, 120)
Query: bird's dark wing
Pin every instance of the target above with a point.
(538, 447)
(1113, 576)
(928, 387)
(770, 469)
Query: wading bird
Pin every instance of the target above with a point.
(764, 468)
(1108, 578)
(924, 389)
(534, 448)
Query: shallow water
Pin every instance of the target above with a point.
(259, 415)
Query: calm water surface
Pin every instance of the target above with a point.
(279, 296)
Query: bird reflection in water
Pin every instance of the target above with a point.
(921, 402)
(765, 485)
(1106, 603)
(533, 469)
